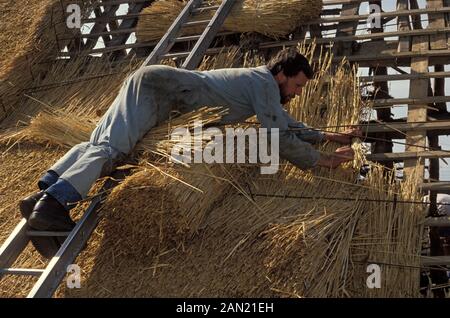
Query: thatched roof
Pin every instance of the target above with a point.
(33, 33)
(207, 236)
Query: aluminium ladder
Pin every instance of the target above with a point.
(51, 277)
(193, 57)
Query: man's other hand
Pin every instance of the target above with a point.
(345, 152)
(341, 155)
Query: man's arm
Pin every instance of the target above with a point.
(302, 131)
(292, 147)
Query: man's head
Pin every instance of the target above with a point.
(291, 71)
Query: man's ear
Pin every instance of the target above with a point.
(280, 77)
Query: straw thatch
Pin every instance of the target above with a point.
(33, 33)
(271, 18)
(65, 87)
(171, 230)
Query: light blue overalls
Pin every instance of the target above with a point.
(146, 99)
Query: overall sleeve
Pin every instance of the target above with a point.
(266, 104)
(304, 133)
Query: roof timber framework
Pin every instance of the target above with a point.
(402, 40)
(114, 29)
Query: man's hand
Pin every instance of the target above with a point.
(346, 153)
(341, 155)
(344, 137)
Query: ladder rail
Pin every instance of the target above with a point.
(14, 245)
(21, 271)
(57, 267)
(196, 55)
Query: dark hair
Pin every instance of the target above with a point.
(291, 63)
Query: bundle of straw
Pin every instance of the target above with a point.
(61, 128)
(271, 18)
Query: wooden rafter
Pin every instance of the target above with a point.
(101, 26)
(403, 24)
(119, 38)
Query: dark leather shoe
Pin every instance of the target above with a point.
(49, 215)
(47, 246)
(26, 205)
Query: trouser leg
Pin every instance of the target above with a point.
(144, 100)
(64, 163)
(75, 182)
(136, 110)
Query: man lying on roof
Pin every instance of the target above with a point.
(146, 99)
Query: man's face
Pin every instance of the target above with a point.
(290, 86)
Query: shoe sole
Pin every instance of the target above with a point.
(46, 246)
(39, 222)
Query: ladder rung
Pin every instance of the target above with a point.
(47, 233)
(187, 38)
(436, 186)
(202, 9)
(435, 260)
(172, 55)
(442, 221)
(21, 271)
(194, 23)
(196, 37)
